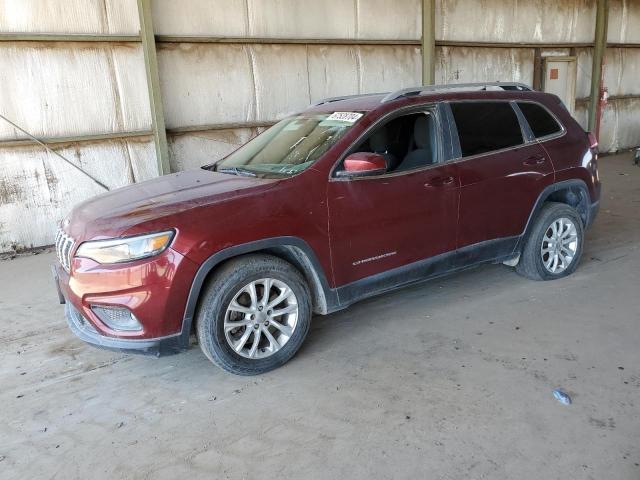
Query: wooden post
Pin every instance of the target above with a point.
(428, 42)
(153, 86)
(599, 48)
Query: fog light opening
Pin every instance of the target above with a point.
(117, 318)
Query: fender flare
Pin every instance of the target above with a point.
(587, 215)
(293, 249)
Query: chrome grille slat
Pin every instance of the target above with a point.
(64, 246)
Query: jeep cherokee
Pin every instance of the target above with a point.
(351, 198)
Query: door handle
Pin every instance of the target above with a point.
(439, 181)
(534, 160)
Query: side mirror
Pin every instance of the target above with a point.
(363, 164)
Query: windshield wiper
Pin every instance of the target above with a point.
(237, 171)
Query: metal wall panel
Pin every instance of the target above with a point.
(38, 189)
(192, 150)
(53, 89)
(473, 64)
(624, 21)
(622, 71)
(620, 124)
(206, 83)
(225, 83)
(69, 16)
(548, 21)
(583, 80)
(389, 19)
(385, 68)
(333, 71)
(318, 19)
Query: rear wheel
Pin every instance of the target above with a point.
(254, 315)
(554, 245)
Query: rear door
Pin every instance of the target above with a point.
(502, 172)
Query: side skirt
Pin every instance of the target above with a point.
(492, 251)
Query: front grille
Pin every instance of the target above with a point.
(64, 245)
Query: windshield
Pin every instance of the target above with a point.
(290, 146)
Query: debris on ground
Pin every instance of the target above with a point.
(562, 397)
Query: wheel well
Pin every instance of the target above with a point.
(299, 259)
(573, 196)
(296, 257)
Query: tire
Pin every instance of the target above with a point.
(228, 348)
(536, 263)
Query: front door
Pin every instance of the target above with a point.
(398, 218)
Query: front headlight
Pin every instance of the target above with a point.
(125, 249)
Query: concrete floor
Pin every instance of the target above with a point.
(448, 380)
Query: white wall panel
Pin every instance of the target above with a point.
(206, 83)
(320, 19)
(389, 19)
(465, 64)
(72, 89)
(386, 68)
(583, 78)
(195, 149)
(622, 71)
(302, 18)
(620, 126)
(37, 189)
(225, 18)
(222, 83)
(548, 21)
(69, 16)
(333, 71)
(281, 78)
(624, 21)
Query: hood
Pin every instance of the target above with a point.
(113, 213)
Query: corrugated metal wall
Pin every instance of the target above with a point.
(61, 90)
(208, 85)
(559, 28)
(229, 68)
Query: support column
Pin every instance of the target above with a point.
(428, 42)
(599, 48)
(153, 86)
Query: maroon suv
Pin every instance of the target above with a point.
(351, 198)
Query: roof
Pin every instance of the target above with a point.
(368, 102)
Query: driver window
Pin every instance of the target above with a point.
(406, 142)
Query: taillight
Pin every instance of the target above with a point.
(593, 141)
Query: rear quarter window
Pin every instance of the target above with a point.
(486, 126)
(540, 121)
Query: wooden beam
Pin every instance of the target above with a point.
(282, 41)
(599, 48)
(66, 37)
(153, 86)
(428, 42)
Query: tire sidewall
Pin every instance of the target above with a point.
(213, 311)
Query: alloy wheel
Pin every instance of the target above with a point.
(261, 318)
(559, 245)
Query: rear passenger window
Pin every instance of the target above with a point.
(540, 121)
(486, 126)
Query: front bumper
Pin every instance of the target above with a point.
(154, 290)
(86, 332)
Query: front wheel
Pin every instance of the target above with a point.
(554, 245)
(254, 315)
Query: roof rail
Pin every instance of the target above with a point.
(344, 97)
(406, 92)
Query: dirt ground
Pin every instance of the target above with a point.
(451, 379)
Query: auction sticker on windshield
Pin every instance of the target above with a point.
(348, 117)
